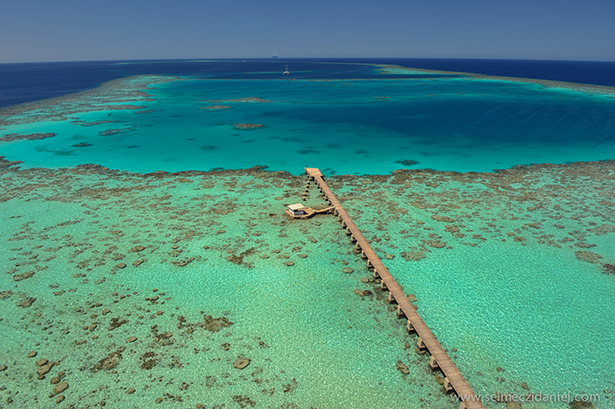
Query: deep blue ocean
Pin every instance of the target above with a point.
(25, 82)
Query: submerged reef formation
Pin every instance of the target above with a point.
(28, 137)
(538, 203)
(407, 162)
(588, 88)
(120, 94)
(247, 126)
(217, 107)
(130, 288)
(246, 99)
(126, 289)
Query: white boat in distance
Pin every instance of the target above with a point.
(286, 72)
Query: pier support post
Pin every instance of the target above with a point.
(369, 265)
(363, 255)
(400, 312)
(348, 232)
(421, 345)
(343, 224)
(390, 298)
(433, 364)
(448, 388)
(358, 246)
(384, 287)
(376, 275)
(410, 327)
(353, 238)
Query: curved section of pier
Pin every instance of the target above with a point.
(453, 381)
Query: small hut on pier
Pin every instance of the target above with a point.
(296, 210)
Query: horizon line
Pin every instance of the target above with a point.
(264, 59)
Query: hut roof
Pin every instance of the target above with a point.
(296, 206)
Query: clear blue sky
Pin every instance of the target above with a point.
(64, 30)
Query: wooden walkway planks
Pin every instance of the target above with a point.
(426, 338)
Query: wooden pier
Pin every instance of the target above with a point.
(454, 382)
(309, 212)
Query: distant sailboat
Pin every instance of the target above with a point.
(286, 72)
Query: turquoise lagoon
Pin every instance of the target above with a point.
(350, 126)
(510, 268)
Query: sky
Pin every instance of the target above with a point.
(71, 30)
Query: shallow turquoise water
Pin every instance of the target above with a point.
(337, 348)
(345, 127)
(519, 305)
(530, 306)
